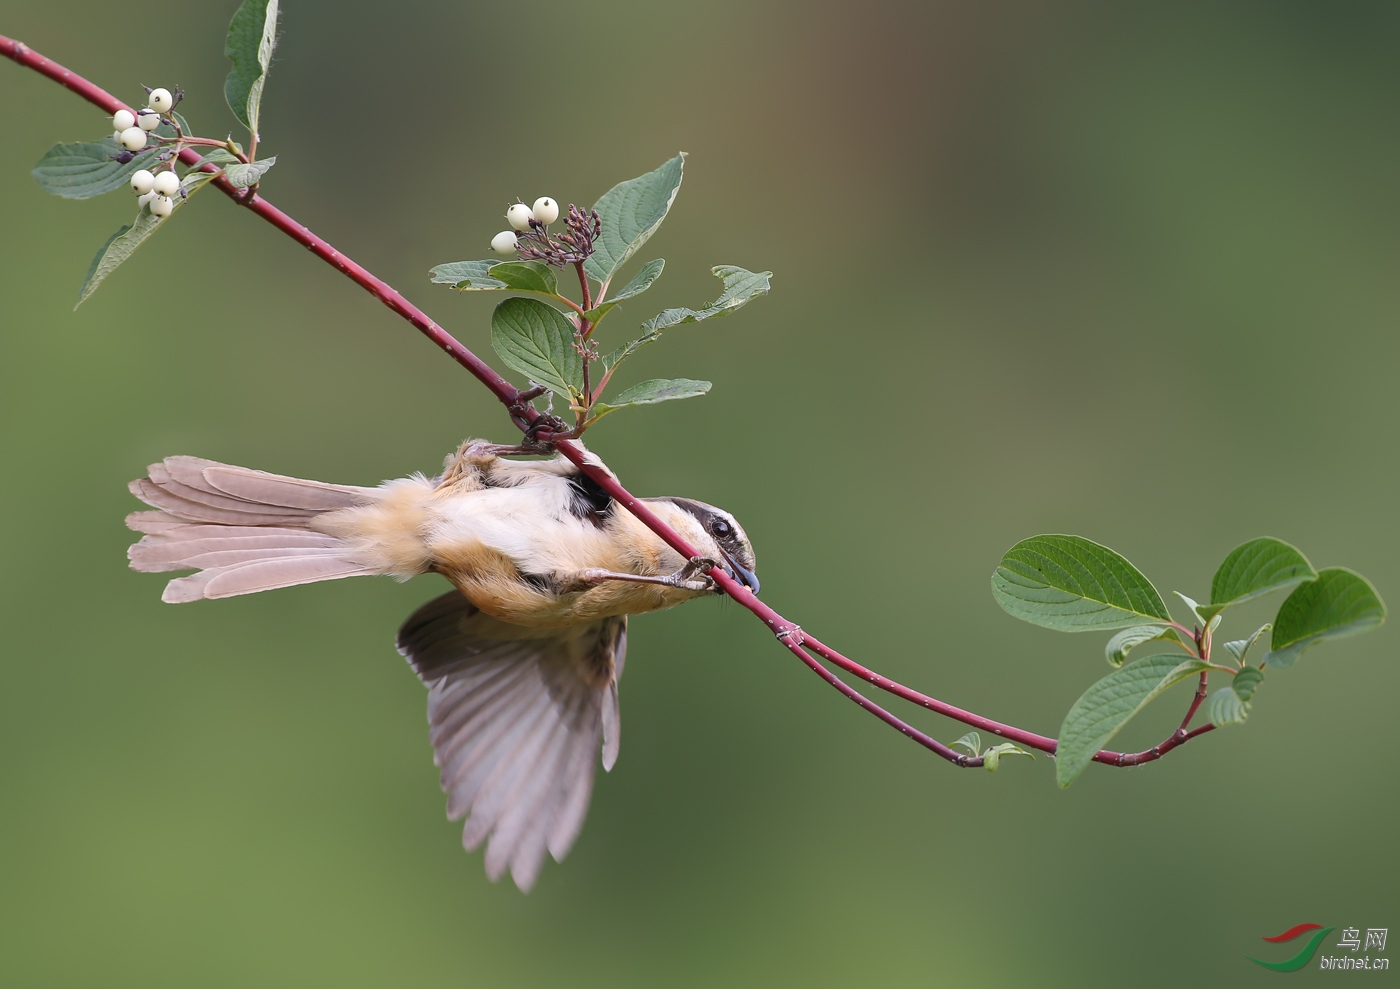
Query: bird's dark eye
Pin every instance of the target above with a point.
(721, 528)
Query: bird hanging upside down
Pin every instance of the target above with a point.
(521, 660)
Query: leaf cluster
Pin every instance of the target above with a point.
(551, 340)
(1071, 584)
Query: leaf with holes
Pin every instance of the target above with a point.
(652, 392)
(241, 175)
(630, 213)
(1254, 569)
(1108, 705)
(536, 340)
(1340, 602)
(468, 276)
(81, 171)
(1072, 584)
(640, 282)
(1118, 647)
(252, 35)
(740, 288)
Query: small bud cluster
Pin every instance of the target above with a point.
(524, 219)
(572, 246)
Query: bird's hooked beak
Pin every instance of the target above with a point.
(746, 577)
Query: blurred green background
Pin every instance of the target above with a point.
(1119, 270)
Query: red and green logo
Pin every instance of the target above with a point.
(1302, 957)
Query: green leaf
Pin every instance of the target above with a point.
(526, 276)
(991, 759)
(740, 287)
(1224, 707)
(122, 244)
(81, 171)
(252, 34)
(652, 392)
(469, 276)
(536, 340)
(221, 156)
(1247, 681)
(1254, 569)
(1118, 647)
(1338, 603)
(1106, 706)
(972, 741)
(640, 282)
(241, 176)
(630, 212)
(1071, 584)
(1239, 648)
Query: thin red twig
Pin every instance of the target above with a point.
(523, 414)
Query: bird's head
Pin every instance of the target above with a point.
(717, 534)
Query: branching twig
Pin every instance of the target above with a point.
(525, 416)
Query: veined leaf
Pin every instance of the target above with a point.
(241, 176)
(1247, 681)
(652, 392)
(1254, 569)
(630, 212)
(122, 244)
(536, 340)
(991, 759)
(469, 276)
(1338, 603)
(1239, 648)
(1118, 647)
(81, 171)
(252, 34)
(221, 156)
(640, 282)
(740, 287)
(1106, 706)
(1072, 584)
(526, 276)
(1224, 707)
(972, 741)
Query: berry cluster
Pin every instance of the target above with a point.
(523, 218)
(156, 189)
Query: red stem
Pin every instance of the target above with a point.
(523, 414)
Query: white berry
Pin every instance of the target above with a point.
(117, 136)
(123, 119)
(546, 210)
(166, 184)
(142, 181)
(519, 216)
(144, 199)
(148, 120)
(504, 242)
(161, 100)
(162, 206)
(133, 139)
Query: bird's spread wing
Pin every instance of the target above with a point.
(516, 716)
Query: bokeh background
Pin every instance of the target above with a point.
(1119, 270)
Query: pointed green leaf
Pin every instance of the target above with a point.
(652, 392)
(1118, 647)
(1338, 603)
(1224, 707)
(630, 212)
(221, 156)
(1239, 648)
(122, 244)
(81, 171)
(1107, 705)
(972, 741)
(991, 759)
(252, 34)
(469, 276)
(1254, 569)
(241, 176)
(740, 287)
(536, 340)
(640, 282)
(526, 276)
(1071, 584)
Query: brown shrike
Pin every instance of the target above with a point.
(521, 660)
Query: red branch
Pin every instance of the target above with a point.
(524, 414)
